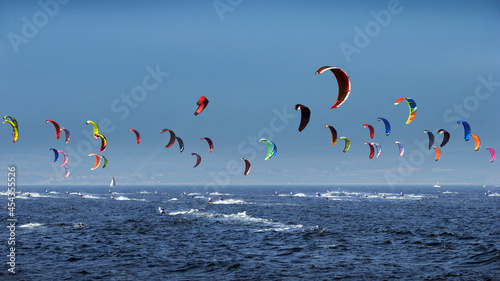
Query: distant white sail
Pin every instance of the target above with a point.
(437, 185)
(112, 182)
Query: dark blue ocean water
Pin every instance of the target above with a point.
(254, 234)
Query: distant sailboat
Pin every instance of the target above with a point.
(437, 185)
(113, 183)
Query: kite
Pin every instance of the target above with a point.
(387, 125)
(56, 126)
(97, 160)
(369, 128)
(334, 134)
(372, 150)
(202, 104)
(172, 137)
(343, 83)
(431, 138)
(492, 154)
(466, 129)
(412, 105)
(247, 166)
(181, 143)
(401, 148)
(347, 144)
(137, 135)
(198, 159)
(305, 115)
(210, 144)
(271, 148)
(446, 136)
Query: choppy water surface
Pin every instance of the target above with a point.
(453, 234)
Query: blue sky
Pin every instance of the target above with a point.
(73, 61)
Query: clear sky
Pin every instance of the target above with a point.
(144, 64)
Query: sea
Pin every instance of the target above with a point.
(288, 232)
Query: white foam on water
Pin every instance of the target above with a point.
(229, 201)
(191, 211)
(89, 196)
(32, 225)
(126, 198)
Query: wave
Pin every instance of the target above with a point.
(33, 225)
(90, 196)
(219, 194)
(229, 201)
(126, 198)
(243, 219)
(191, 211)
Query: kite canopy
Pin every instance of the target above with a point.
(210, 144)
(492, 154)
(334, 134)
(104, 142)
(412, 105)
(137, 135)
(67, 172)
(401, 148)
(370, 127)
(172, 137)
(181, 144)
(15, 130)
(198, 159)
(66, 158)
(56, 154)
(304, 116)
(446, 136)
(466, 129)
(271, 148)
(431, 138)
(438, 153)
(105, 162)
(202, 104)
(96, 128)
(56, 126)
(347, 144)
(247, 167)
(387, 125)
(343, 83)
(67, 134)
(372, 150)
(378, 147)
(97, 160)
(477, 141)
(11, 119)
